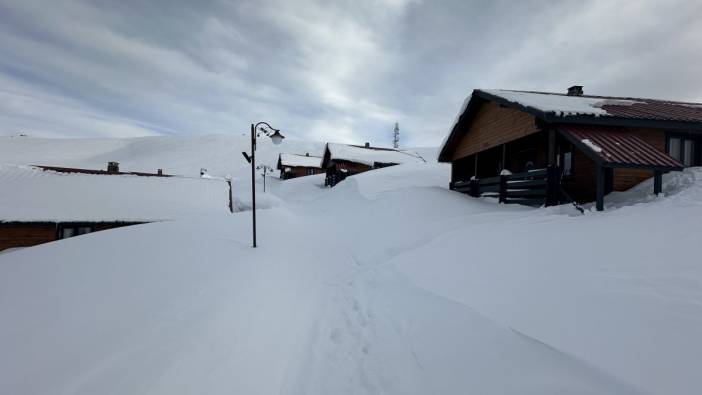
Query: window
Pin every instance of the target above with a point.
(674, 147)
(567, 163)
(688, 150)
(683, 148)
(310, 172)
(66, 231)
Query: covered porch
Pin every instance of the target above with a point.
(560, 164)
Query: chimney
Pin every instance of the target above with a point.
(307, 154)
(159, 172)
(113, 167)
(575, 90)
(367, 145)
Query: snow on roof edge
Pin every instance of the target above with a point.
(372, 155)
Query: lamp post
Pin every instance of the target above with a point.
(266, 170)
(277, 138)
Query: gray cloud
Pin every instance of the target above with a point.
(341, 71)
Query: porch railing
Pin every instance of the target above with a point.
(534, 188)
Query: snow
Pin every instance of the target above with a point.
(388, 283)
(591, 145)
(294, 160)
(31, 194)
(560, 104)
(369, 156)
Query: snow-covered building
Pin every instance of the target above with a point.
(293, 165)
(42, 204)
(558, 147)
(343, 160)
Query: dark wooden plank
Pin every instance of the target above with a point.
(490, 180)
(490, 188)
(533, 173)
(526, 183)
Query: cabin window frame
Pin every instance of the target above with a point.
(683, 137)
(74, 229)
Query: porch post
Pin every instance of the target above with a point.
(657, 182)
(551, 147)
(475, 168)
(599, 204)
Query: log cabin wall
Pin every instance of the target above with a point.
(26, 234)
(300, 171)
(492, 126)
(352, 167)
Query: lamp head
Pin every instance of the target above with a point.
(276, 137)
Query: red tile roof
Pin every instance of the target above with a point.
(613, 106)
(657, 110)
(613, 147)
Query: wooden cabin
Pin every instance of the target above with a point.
(293, 165)
(344, 160)
(39, 204)
(552, 148)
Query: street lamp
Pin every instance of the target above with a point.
(277, 138)
(266, 171)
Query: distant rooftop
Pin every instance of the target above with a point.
(370, 155)
(295, 160)
(30, 194)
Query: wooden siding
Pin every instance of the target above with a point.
(26, 235)
(352, 167)
(299, 171)
(582, 183)
(494, 125)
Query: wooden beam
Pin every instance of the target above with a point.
(504, 156)
(552, 147)
(475, 168)
(599, 203)
(657, 182)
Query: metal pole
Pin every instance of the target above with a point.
(253, 181)
(231, 202)
(264, 180)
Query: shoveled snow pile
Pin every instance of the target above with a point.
(388, 283)
(370, 156)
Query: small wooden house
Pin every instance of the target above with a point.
(343, 160)
(293, 165)
(39, 204)
(538, 147)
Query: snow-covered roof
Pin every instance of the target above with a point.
(371, 155)
(561, 104)
(29, 194)
(295, 160)
(560, 107)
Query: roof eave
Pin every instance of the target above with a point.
(619, 121)
(446, 151)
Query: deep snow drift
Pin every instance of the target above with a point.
(387, 283)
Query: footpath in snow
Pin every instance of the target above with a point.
(386, 284)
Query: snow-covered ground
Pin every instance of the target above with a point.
(386, 283)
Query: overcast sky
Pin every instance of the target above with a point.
(331, 71)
